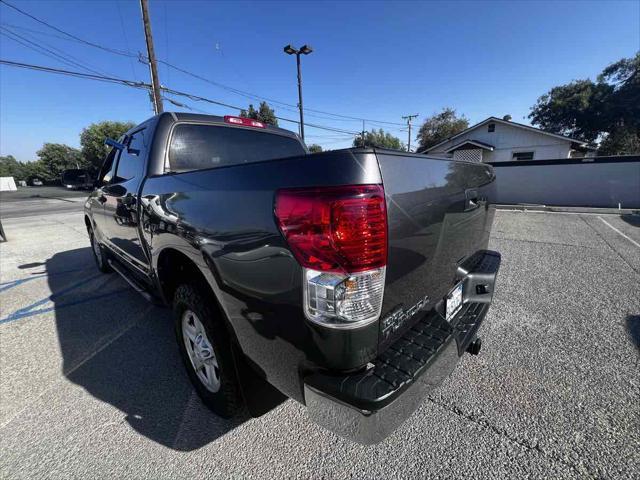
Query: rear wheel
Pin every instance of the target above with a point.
(99, 254)
(206, 351)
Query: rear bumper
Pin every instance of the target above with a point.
(368, 405)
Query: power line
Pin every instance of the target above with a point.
(198, 98)
(81, 40)
(137, 84)
(126, 40)
(271, 100)
(101, 78)
(220, 85)
(67, 59)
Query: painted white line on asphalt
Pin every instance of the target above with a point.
(616, 230)
(515, 210)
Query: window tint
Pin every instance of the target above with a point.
(205, 146)
(523, 156)
(131, 163)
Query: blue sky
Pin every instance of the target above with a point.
(377, 60)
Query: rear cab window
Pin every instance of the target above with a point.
(196, 146)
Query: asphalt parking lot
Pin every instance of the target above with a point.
(91, 383)
(30, 201)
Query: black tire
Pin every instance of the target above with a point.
(227, 400)
(99, 254)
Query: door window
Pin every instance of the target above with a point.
(131, 163)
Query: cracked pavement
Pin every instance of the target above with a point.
(91, 383)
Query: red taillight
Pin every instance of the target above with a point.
(245, 122)
(335, 229)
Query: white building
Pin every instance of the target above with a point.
(498, 140)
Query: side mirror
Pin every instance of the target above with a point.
(115, 144)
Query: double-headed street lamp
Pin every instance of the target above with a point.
(303, 50)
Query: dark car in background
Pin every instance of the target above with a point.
(351, 281)
(77, 179)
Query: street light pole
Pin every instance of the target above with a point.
(300, 97)
(304, 50)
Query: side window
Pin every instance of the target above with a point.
(131, 163)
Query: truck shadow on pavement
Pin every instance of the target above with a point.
(122, 350)
(633, 329)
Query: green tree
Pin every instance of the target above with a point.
(607, 110)
(10, 167)
(92, 140)
(36, 169)
(54, 158)
(264, 114)
(315, 148)
(623, 141)
(378, 138)
(572, 110)
(440, 126)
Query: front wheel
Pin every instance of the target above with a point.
(206, 351)
(99, 255)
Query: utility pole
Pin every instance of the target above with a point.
(408, 118)
(153, 67)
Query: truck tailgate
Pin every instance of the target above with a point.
(438, 215)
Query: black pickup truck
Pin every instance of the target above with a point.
(350, 280)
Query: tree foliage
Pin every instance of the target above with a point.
(264, 114)
(55, 158)
(315, 148)
(92, 140)
(10, 167)
(27, 171)
(378, 138)
(623, 141)
(572, 110)
(607, 109)
(440, 126)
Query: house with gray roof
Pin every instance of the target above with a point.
(501, 140)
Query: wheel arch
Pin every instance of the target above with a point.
(174, 267)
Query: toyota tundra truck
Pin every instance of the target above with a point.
(351, 281)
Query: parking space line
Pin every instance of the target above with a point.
(29, 311)
(23, 313)
(14, 283)
(618, 231)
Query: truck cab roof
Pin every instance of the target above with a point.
(203, 118)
